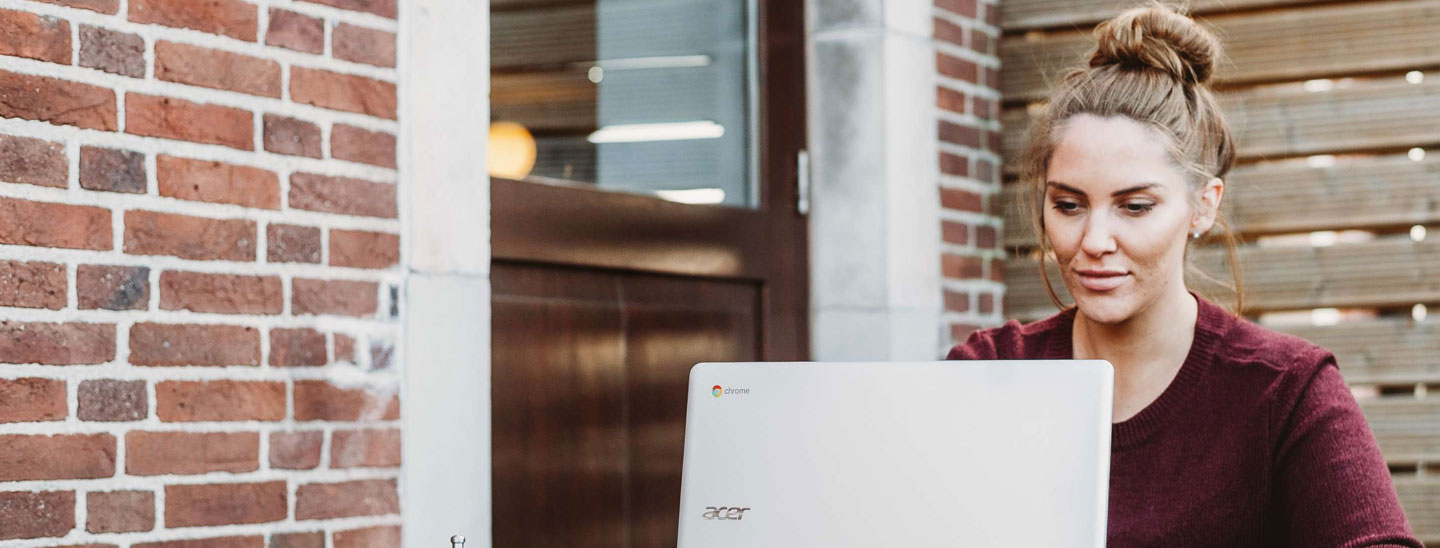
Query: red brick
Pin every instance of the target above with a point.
(196, 238)
(54, 225)
(384, 8)
(363, 249)
(112, 170)
(105, 287)
(119, 511)
(982, 42)
(217, 182)
(112, 51)
(233, 18)
(69, 343)
(957, 302)
(160, 453)
(363, 45)
(292, 136)
(961, 268)
(57, 101)
(32, 285)
(387, 536)
(346, 92)
(33, 162)
(192, 401)
(294, 31)
(966, 8)
(951, 164)
(344, 348)
(992, 77)
(254, 541)
(957, 68)
(961, 200)
(997, 270)
(986, 237)
(313, 539)
(296, 450)
(297, 347)
(985, 171)
(69, 456)
(110, 400)
(36, 515)
(992, 15)
(221, 293)
(987, 303)
(985, 108)
(946, 31)
(954, 233)
(292, 244)
(368, 448)
(949, 99)
(201, 344)
(337, 297)
(171, 118)
(108, 7)
(225, 503)
(959, 135)
(342, 195)
(218, 69)
(359, 145)
(346, 499)
(24, 34)
(32, 400)
(322, 401)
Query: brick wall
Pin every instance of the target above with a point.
(967, 35)
(199, 273)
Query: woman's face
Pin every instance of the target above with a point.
(1116, 211)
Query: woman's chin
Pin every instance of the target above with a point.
(1107, 308)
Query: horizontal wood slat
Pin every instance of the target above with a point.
(1389, 271)
(1407, 428)
(1420, 497)
(1267, 198)
(1282, 45)
(1019, 15)
(1390, 351)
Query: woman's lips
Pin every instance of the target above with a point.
(1105, 281)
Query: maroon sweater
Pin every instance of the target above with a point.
(1256, 442)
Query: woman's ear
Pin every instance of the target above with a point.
(1210, 197)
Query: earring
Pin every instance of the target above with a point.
(1195, 234)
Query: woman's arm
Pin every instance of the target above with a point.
(1331, 482)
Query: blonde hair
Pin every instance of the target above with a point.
(1153, 65)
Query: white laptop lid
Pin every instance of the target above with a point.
(953, 453)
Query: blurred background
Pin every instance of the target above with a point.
(345, 273)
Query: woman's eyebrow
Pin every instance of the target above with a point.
(1121, 192)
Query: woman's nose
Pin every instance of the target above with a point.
(1098, 238)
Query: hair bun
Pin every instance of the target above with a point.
(1160, 38)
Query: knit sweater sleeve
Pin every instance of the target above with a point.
(1331, 483)
(980, 345)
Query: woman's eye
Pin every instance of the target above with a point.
(1067, 207)
(1138, 208)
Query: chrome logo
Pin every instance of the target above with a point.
(716, 391)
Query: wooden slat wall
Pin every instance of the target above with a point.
(1365, 120)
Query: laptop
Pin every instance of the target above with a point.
(956, 454)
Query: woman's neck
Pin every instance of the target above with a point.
(1160, 333)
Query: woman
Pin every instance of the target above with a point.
(1225, 433)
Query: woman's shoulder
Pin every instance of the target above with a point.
(1247, 344)
(1012, 340)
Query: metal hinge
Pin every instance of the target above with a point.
(802, 182)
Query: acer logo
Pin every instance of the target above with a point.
(724, 512)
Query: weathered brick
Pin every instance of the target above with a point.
(954, 233)
(295, 31)
(359, 145)
(112, 51)
(297, 347)
(193, 344)
(33, 162)
(192, 401)
(337, 297)
(312, 539)
(108, 7)
(986, 237)
(159, 453)
(213, 68)
(962, 200)
(952, 164)
(112, 170)
(106, 287)
(957, 302)
(322, 401)
(69, 343)
(57, 101)
(385, 536)
(111, 400)
(363, 45)
(347, 92)
(961, 268)
(217, 182)
(292, 244)
(957, 134)
(346, 499)
(369, 448)
(171, 118)
(253, 541)
(225, 503)
(54, 225)
(292, 136)
(119, 511)
(32, 284)
(344, 348)
(364, 249)
(233, 18)
(24, 34)
(342, 195)
(36, 515)
(197, 238)
(949, 99)
(296, 450)
(967, 8)
(946, 31)
(221, 293)
(384, 8)
(32, 400)
(955, 67)
(381, 353)
(69, 456)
